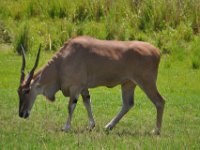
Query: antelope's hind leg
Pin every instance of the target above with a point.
(127, 102)
(151, 91)
(159, 102)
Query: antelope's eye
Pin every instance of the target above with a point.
(26, 91)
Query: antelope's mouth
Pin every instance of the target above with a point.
(24, 114)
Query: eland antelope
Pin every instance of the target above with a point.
(85, 62)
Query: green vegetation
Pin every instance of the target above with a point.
(171, 25)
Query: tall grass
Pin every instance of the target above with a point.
(195, 48)
(5, 36)
(148, 15)
(23, 38)
(169, 24)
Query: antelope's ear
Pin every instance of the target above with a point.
(37, 81)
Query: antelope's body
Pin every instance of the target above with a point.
(85, 62)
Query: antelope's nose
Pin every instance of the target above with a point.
(24, 114)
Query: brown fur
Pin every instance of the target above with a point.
(90, 62)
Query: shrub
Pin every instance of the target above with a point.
(95, 29)
(184, 32)
(82, 13)
(34, 9)
(96, 10)
(5, 36)
(23, 38)
(195, 49)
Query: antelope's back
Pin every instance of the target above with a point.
(110, 61)
(94, 51)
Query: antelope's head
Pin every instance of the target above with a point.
(26, 91)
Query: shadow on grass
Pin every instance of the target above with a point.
(121, 133)
(131, 133)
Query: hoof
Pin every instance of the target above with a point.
(108, 127)
(90, 127)
(65, 129)
(155, 132)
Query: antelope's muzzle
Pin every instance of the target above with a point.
(24, 114)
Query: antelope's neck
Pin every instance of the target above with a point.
(47, 79)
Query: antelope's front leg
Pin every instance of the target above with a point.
(86, 101)
(71, 107)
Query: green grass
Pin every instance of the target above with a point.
(177, 82)
(161, 22)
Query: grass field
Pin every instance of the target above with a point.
(171, 25)
(177, 82)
